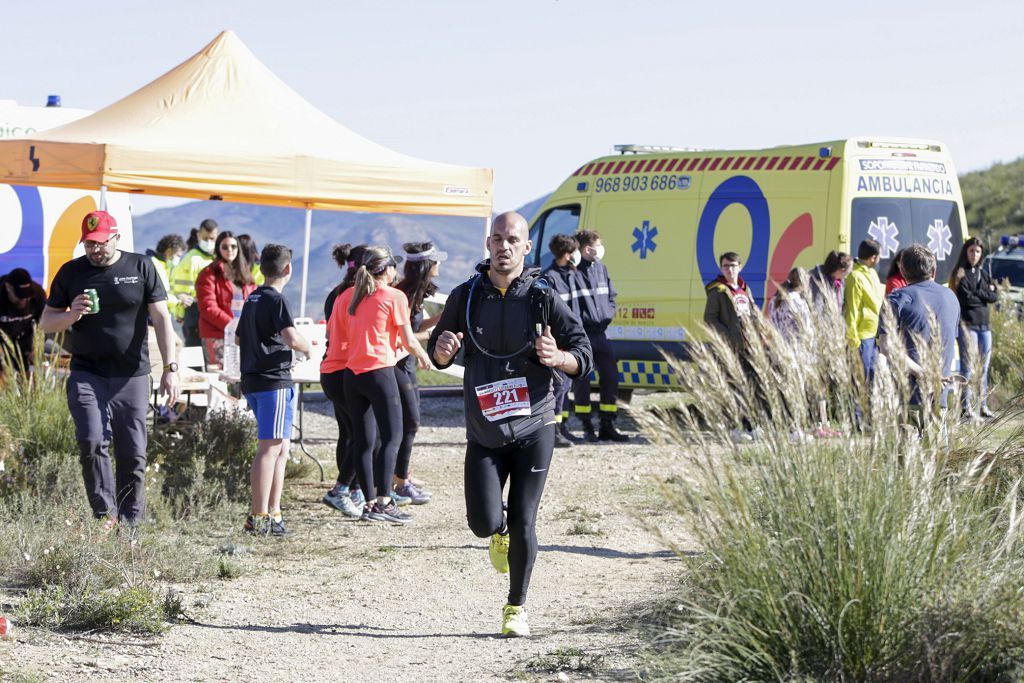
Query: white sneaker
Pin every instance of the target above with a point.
(757, 434)
(739, 436)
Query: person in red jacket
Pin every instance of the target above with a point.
(221, 289)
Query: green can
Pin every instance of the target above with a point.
(94, 297)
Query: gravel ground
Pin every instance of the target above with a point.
(344, 600)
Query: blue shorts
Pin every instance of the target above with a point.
(275, 411)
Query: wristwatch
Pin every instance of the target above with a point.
(171, 367)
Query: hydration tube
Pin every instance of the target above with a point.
(472, 337)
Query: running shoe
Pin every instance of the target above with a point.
(343, 503)
(277, 527)
(418, 483)
(513, 622)
(358, 499)
(414, 494)
(739, 436)
(986, 413)
(257, 525)
(399, 499)
(387, 513)
(499, 552)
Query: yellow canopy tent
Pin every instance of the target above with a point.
(223, 126)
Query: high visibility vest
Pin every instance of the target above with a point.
(183, 277)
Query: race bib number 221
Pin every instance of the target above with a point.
(505, 398)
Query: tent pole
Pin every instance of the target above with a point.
(305, 260)
(103, 197)
(487, 233)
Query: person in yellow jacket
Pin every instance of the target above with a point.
(167, 254)
(183, 279)
(862, 299)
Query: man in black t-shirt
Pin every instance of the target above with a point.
(108, 387)
(21, 305)
(266, 337)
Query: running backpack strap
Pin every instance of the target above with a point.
(541, 294)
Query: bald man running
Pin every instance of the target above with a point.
(515, 333)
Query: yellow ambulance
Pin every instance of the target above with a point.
(666, 214)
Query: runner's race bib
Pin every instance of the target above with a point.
(505, 398)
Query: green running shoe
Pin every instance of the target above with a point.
(513, 622)
(499, 552)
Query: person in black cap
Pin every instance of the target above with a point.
(21, 305)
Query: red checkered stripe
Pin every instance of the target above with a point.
(719, 163)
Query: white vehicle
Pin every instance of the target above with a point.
(41, 226)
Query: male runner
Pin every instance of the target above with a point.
(515, 333)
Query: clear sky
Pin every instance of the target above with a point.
(533, 88)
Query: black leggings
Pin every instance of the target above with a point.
(409, 393)
(334, 388)
(374, 407)
(526, 463)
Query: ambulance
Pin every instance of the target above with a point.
(665, 214)
(41, 226)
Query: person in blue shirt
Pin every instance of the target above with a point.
(914, 306)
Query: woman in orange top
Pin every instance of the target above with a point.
(375, 317)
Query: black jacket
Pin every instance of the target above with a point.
(975, 292)
(597, 295)
(565, 281)
(506, 325)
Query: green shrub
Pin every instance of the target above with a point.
(893, 554)
(39, 449)
(1006, 374)
(207, 462)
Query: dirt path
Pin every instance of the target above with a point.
(343, 600)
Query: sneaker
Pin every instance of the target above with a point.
(357, 498)
(739, 436)
(421, 485)
(499, 552)
(986, 413)
(387, 513)
(277, 528)
(757, 434)
(398, 499)
(257, 525)
(513, 622)
(342, 502)
(413, 494)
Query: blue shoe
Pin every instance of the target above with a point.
(342, 502)
(358, 499)
(413, 494)
(399, 499)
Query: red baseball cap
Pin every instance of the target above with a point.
(98, 226)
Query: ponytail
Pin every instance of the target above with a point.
(365, 285)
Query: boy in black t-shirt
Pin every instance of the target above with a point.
(266, 337)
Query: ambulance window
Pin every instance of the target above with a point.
(896, 223)
(561, 220)
(1003, 267)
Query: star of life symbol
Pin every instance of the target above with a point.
(645, 239)
(940, 239)
(887, 236)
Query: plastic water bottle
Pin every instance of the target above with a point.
(232, 358)
(232, 362)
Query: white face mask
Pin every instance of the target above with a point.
(599, 252)
(575, 258)
(205, 245)
(176, 259)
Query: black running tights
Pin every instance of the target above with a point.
(409, 392)
(524, 464)
(334, 388)
(374, 407)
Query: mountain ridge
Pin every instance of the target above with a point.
(462, 238)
